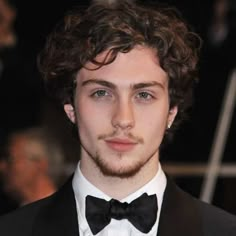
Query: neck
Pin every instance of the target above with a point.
(43, 187)
(116, 187)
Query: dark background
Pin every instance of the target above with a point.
(23, 101)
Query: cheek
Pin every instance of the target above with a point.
(152, 116)
(153, 130)
(19, 170)
(15, 173)
(152, 123)
(92, 116)
(90, 127)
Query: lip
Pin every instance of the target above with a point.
(120, 145)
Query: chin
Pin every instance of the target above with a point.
(121, 168)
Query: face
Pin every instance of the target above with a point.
(122, 112)
(19, 172)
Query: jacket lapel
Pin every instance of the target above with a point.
(179, 213)
(58, 216)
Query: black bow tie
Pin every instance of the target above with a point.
(141, 212)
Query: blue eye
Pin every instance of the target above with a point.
(144, 95)
(100, 93)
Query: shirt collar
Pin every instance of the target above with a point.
(82, 187)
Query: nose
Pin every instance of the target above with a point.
(123, 116)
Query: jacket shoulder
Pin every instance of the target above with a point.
(195, 217)
(20, 221)
(217, 221)
(214, 220)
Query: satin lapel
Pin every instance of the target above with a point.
(179, 213)
(59, 217)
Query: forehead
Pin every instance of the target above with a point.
(141, 64)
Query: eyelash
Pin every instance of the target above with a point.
(144, 96)
(103, 93)
(96, 94)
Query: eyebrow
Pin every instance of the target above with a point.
(100, 82)
(113, 86)
(148, 84)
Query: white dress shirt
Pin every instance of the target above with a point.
(82, 187)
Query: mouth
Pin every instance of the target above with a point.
(121, 145)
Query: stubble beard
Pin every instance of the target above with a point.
(121, 172)
(108, 170)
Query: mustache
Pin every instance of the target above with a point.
(115, 133)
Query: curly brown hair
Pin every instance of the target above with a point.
(119, 27)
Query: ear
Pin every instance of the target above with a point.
(70, 112)
(171, 116)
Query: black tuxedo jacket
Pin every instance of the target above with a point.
(181, 215)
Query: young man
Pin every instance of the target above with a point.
(124, 73)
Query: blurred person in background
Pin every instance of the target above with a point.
(32, 167)
(7, 45)
(19, 75)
